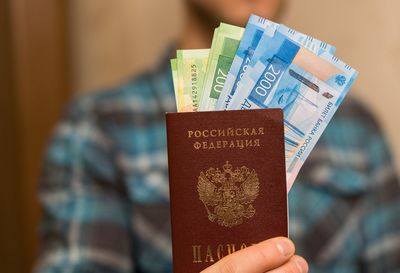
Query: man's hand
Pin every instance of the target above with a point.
(274, 255)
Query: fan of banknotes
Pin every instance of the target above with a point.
(266, 65)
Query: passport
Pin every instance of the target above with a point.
(227, 183)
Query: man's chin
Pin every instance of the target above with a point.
(240, 17)
(238, 14)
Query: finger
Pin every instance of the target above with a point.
(296, 264)
(258, 258)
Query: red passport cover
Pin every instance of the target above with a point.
(227, 183)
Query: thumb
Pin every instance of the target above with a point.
(261, 257)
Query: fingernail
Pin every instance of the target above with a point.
(285, 247)
(301, 265)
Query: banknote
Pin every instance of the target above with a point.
(306, 86)
(174, 70)
(235, 75)
(251, 37)
(314, 45)
(224, 46)
(325, 67)
(191, 67)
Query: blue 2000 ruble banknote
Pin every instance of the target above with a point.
(307, 87)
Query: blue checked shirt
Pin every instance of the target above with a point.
(104, 189)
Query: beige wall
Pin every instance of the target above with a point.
(112, 41)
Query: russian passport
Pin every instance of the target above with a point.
(227, 183)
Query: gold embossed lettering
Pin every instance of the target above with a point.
(220, 252)
(196, 254)
(231, 248)
(240, 143)
(197, 145)
(211, 145)
(249, 143)
(209, 256)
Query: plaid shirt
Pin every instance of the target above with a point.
(104, 189)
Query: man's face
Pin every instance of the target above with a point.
(237, 11)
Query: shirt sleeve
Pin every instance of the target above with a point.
(86, 213)
(380, 227)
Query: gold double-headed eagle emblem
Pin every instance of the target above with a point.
(228, 194)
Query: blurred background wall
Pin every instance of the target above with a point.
(111, 42)
(34, 86)
(51, 50)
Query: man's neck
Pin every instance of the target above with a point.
(197, 31)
